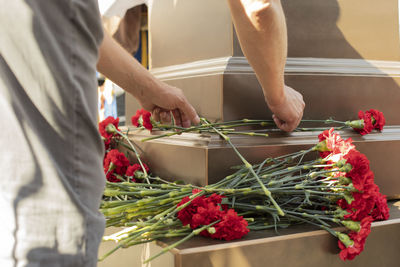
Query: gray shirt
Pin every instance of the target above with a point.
(51, 153)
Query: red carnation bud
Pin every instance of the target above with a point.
(367, 126)
(107, 131)
(142, 118)
(377, 118)
(115, 162)
(110, 128)
(134, 170)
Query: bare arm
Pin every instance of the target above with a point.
(120, 67)
(261, 29)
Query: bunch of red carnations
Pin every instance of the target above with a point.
(117, 167)
(364, 203)
(333, 187)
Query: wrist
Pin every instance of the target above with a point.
(276, 97)
(143, 86)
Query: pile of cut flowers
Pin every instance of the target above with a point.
(330, 185)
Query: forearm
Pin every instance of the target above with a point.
(261, 29)
(123, 69)
(153, 95)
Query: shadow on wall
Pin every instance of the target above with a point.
(313, 32)
(335, 79)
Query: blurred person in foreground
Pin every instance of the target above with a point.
(53, 180)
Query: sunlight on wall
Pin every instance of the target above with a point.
(235, 257)
(371, 27)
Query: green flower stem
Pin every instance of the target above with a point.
(122, 244)
(112, 204)
(160, 218)
(238, 122)
(136, 154)
(320, 212)
(110, 252)
(142, 193)
(245, 133)
(281, 181)
(143, 203)
(152, 208)
(226, 190)
(303, 129)
(322, 187)
(125, 145)
(162, 214)
(328, 121)
(250, 207)
(267, 226)
(135, 186)
(147, 223)
(159, 202)
(312, 223)
(313, 216)
(117, 210)
(193, 233)
(255, 122)
(242, 122)
(114, 221)
(309, 191)
(158, 179)
(240, 179)
(184, 130)
(294, 154)
(250, 167)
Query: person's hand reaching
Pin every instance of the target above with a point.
(288, 113)
(162, 99)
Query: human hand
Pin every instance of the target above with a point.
(288, 112)
(163, 99)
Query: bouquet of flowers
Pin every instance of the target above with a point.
(327, 185)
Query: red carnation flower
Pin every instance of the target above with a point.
(195, 191)
(115, 162)
(206, 215)
(231, 227)
(206, 210)
(378, 120)
(185, 215)
(135, 167)
(142, 118)
(146, 121)
(360, 207)
(136, 117)
(365, 229)
(335, 145)
(200, 203)
(360, 171)
(368, 127)
(349, 253)
(381, 209)
(104, 129)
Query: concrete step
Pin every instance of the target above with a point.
(297, 246)
(204, 159)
